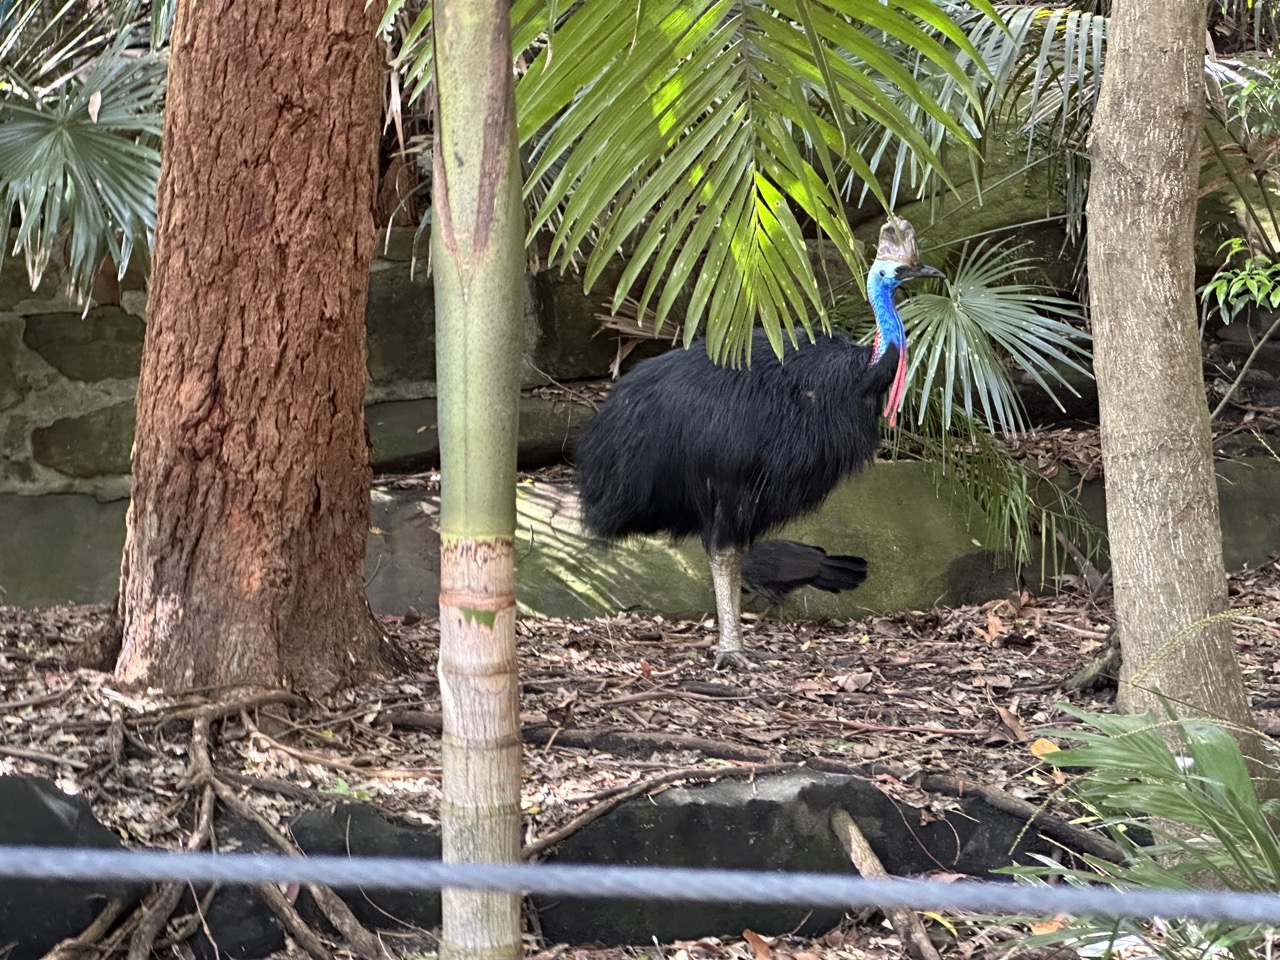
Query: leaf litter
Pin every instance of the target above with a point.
(611, 707)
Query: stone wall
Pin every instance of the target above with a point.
(67, 377)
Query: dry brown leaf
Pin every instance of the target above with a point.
(1010, 720)
(1043, 746)
(1049, 926)
(760, 948)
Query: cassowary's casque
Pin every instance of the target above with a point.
(683, 446)
(776, 568)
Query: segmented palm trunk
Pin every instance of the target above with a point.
(1162, 501)
(250, 501)
(478, 261)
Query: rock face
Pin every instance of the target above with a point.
(36, 914)
(913, 534)
(406, 437)
(66, 426)
(104, 344)
(95, 444)
(780, 823)
(67, 378)
(359, 830)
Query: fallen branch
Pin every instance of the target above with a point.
(907, 923)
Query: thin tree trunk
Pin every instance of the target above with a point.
(249, 512)
(477, 243)
(1162, 502)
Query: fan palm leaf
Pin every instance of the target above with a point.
(79, 137)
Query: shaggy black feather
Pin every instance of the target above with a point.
(683, 446)
(775, 568)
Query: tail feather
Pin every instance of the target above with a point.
(775, 568)
(840, 572)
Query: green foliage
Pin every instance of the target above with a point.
(79, 136)
(1023, 515)
(961, 337)
(965, 334)
(1255, 281)
(706, 139)
(1243, 131)
(1185, 817)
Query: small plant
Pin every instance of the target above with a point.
(1256, 281)
(1184, 817)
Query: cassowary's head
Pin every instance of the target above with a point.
(883, 279)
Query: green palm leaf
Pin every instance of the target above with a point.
(79, 141)
(959, 339)
(705, 139)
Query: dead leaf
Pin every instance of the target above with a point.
(852, 682)
(759, 948)
(95, 104)
(1010, 720)
(1043, 746)
(1049, 926)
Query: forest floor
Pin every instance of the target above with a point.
(609, 705)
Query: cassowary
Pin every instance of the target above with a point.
(684, 446)
(776, 568)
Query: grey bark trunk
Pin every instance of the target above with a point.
(1162, 501)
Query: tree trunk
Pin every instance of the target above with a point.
(477, 243)
(250, 503)
(1162, 501)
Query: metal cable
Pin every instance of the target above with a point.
(666, 883)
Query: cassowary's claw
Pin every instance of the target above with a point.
(734, 660)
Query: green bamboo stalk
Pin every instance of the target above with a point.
(477, 241)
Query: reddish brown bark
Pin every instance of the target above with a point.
(251, 473)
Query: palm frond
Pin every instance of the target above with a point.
(707, 138)
(79, 139)
(1024, 515)
(1176, 798)
(964, 339)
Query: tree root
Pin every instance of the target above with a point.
(144, 925)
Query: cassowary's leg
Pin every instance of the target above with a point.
(726, 579)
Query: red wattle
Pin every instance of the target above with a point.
(898, 388)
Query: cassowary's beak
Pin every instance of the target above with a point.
(906, 272)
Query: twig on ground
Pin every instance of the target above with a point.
(25, 754)
(309, 757)
(907, 923)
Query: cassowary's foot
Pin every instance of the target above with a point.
(740, 660)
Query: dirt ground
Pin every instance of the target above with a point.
(957, 695)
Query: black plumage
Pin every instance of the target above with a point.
(686, 447)
(776, 568)
(683, 446)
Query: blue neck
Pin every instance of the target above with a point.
(888, 323)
